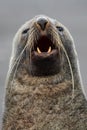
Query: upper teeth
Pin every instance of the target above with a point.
(39, 51)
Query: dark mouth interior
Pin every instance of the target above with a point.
(45, 58)
(44, 44)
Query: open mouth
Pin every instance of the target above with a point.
(44, 46)
(45, 58)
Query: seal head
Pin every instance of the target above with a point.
(39, 47)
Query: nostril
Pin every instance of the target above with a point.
(42, 23)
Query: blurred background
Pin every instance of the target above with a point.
(14, 13)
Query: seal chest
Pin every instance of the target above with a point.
(44, 88)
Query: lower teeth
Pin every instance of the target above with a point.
(49, 50)
(39, 51)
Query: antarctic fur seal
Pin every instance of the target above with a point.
(44, 87)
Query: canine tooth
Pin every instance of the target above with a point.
(49, 50)
(38, 50)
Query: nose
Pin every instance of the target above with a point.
(42, 22)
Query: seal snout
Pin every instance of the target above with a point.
(42, 22)
(45, 42)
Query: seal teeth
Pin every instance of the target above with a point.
(49, 50)
(38, 50)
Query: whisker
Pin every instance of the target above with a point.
(56, 36)
(18, 60)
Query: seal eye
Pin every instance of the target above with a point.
(60, 28)
(25, 31)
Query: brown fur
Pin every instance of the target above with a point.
(45, 102)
